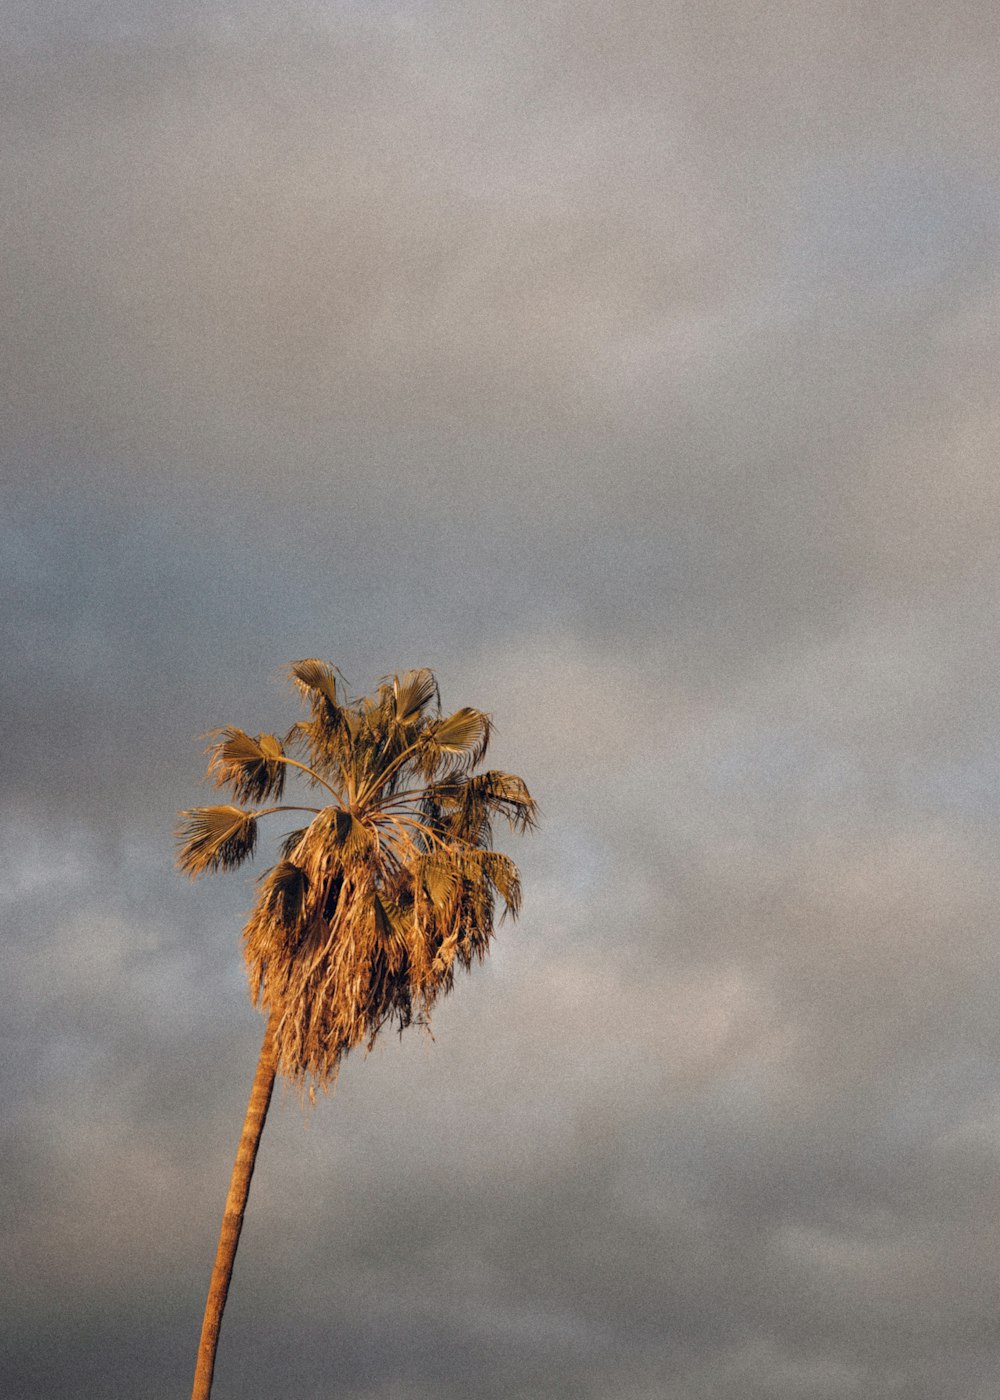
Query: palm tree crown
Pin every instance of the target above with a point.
(390, 885)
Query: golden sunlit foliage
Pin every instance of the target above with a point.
(389, 887)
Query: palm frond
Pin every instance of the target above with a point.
(456, 743)
(314, 677)
(503, 875)
(252, 768)
(467, 805)
(466, 730)
(278, 928)
(333, 843)
(215, 838)
(284, 896)
(439, 876)
(326, 735)
(353, 837)
(290, 843)
(412, 693)
(394, 919)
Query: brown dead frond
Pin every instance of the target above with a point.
(375, 903)
(215, 838)
(252, 768)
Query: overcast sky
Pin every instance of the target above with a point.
(634, 366)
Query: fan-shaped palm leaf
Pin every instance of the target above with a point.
(214, 838)
(254, 769)
(312, 677)
(413, 694)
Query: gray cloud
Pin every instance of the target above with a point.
(635, 371)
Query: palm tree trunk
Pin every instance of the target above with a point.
(232, 1219)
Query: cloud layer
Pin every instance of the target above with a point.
(635, 370)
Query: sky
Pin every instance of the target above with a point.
(634, 367)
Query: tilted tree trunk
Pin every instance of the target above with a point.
(232, 1219)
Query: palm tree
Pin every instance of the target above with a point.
(373, 903)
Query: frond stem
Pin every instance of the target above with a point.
(382, 778)
(266, 811)
(399, 819)
(294, 763)
(409, 793)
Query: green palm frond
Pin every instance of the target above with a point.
(215, 838)
(253, 768)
